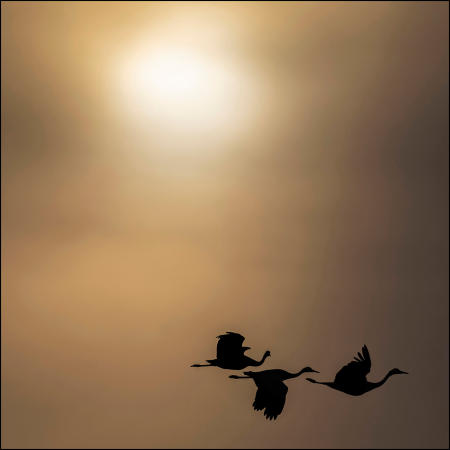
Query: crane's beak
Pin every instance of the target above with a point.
(315, 371)
(401, 371)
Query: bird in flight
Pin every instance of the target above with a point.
(230, 354)
(351, 379)
(271, 392)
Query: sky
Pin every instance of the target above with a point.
(172, 171)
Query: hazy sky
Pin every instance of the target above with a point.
(171, 171)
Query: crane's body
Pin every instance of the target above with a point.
(271, 393)
(351, 379)
(230, 354)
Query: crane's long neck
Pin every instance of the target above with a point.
(260, 363)
(292, 375)
(379, 383)
(296, 374)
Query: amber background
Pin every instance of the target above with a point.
(319, 227)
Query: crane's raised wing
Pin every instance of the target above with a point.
(229, 345)
(355, 371)
(271, 397)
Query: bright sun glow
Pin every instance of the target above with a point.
(183, 89)
(174, 76)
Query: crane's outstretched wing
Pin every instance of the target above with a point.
(355, 371)
(229, 345)
(260, 400)
(271, 397)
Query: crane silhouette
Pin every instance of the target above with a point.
(271, 392)
(230, 353)
(351, 379)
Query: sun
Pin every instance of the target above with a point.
(181, 88)
(175, 76)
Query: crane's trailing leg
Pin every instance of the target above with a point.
(315, 381)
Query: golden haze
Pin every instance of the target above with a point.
(305, 206)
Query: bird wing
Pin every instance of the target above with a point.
(355, 371)
(260, 400)
(229, 345)
(272, 397)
